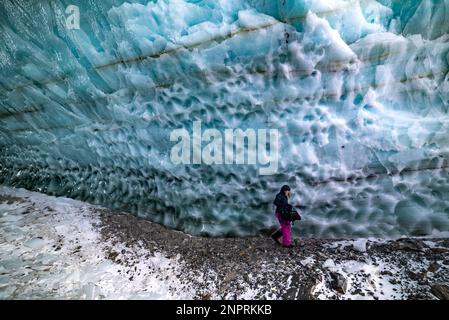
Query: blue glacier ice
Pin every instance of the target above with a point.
(358, 90)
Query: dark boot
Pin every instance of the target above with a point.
(276, 235)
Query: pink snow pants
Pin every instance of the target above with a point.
(285, 230)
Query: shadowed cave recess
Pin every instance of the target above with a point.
(358, 91)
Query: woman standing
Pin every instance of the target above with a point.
(281, 201)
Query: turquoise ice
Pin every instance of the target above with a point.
(359, 91)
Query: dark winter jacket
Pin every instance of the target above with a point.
(280, 202)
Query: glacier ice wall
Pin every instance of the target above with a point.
(357, 89)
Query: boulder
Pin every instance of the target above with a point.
(434, 266)
(305, 291)
(441, 291)
(409, 244)
(338, 282)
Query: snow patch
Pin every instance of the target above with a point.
(55, 251)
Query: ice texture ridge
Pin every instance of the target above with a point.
(358, 90)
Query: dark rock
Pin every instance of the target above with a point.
(440, 250)
(357, 291)
(441, 291)
(230, 276)
(338, 282)
(434, 267)
(291, 293)
(205, 296)
(418, 296)
(416, 276)
(112, 255)
(445, 243)
(409, 244)
(305, 291)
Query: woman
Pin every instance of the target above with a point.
(280, 202)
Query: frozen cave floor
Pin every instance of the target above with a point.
(59, 248)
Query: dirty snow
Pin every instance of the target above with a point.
(50, 248)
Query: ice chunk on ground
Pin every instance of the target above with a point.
(360, 245)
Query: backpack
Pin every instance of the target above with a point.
(288, 213)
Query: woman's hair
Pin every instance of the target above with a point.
(285, 188)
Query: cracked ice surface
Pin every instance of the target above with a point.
(358, 90)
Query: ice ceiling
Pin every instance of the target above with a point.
(359, 91)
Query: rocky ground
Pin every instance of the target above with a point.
(66, 249)
(315, 269)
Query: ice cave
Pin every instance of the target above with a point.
(358, 90)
